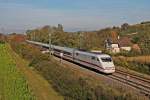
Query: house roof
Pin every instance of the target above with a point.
(136, 47)
(124, 41)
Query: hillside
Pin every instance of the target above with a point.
(138, 34)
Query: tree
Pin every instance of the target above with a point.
(124, 26)
(60, 27)
(2, 38)
(135, 39)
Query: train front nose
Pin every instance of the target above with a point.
(109, 70)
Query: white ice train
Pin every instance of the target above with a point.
(99, 61)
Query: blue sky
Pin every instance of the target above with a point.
(75, 15)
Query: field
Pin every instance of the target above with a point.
(140, 59)
(13, 85)
(140, 63)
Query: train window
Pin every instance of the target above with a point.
(57, 50)
(68, 53)
(97, 59)
(106, 59)
(93, 58)
(77, 54)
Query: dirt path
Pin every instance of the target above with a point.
(40, 87)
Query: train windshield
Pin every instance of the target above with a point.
(106, 59)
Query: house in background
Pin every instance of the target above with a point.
(115, 48)
(112, 46)
(123, 43)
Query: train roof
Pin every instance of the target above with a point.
(70, 49)
(47, 45)
(63, 48)
(92, 53)
(38, 43)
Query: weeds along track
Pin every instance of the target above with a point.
(140, 83)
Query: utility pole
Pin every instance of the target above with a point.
(34, 36)
(146, 49)
(50, 30)
(147, 42)
(80, 41)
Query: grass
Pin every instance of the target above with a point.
(40, 86)
(13, 85)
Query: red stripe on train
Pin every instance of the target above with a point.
(89, 63)
(82, 61)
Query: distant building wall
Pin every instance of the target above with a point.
(115, 50)
(114, 46)
(96, 51)
(126, 48)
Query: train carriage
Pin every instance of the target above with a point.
(101, 62)
(67, 52)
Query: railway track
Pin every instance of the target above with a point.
(141, 78)
(138, 82)
(135, 81)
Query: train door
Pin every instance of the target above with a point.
(73, 55)
(94, 61)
